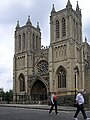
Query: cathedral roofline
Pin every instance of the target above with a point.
(25, 26)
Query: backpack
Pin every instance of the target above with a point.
(54, 97)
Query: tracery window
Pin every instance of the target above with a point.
(63, 27)
(57, 29)
(62, 78)
(42, 67)
(22, 82)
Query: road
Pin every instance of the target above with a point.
(9, 113)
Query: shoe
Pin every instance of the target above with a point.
(57, 113)
(75, 119)
(87, 119)
(49, 112)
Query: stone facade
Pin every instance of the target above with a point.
(39, 70)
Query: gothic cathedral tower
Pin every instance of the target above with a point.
(66, 52)
(27, 40)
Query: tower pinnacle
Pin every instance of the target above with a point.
(38, 26)
(28, 21)
(77, 7)
(68, 5)
(17, 26)
(53, 9)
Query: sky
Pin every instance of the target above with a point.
(12, 11)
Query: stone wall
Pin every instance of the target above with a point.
(69, 100)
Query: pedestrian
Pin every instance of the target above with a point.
(80, 105)
(53, 100)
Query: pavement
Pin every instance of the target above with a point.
(42, 107)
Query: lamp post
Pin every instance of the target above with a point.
(75, 71)
(16, 98)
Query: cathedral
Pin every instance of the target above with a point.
(63, 67)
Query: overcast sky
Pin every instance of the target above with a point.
(39, 10)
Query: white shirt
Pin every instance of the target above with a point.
(80, 98)
(52, 98)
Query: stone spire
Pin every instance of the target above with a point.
(77, 7)
(53, 9)
(78, 10)
(17, 26)
(38, 26)
(28, 21)
(85, 39)
(69, 6)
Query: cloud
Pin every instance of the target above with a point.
(6, 66)
(13, 10)
(6, 48)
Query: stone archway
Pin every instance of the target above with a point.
(38, 91)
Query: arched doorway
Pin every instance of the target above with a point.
(38, 91)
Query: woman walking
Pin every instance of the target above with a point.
(53, 103)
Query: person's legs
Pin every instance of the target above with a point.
(83, 111)
(77, 111)
(55, 104)
(52, 105)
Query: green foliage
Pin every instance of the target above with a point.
(6, 96)
(2, 95)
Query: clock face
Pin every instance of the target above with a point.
(42, 67)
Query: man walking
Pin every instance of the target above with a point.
(80, 105)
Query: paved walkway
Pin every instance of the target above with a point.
(43, 107)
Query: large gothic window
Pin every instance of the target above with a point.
(36, 42)
(57, 29)
(62, 78)
(33, 40)
(23, 40)
(22, 82)
(19, 42)
(63, 27)
(42, 67)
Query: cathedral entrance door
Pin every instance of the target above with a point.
(38, 91)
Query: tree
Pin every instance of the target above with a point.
(6, 96)
(9, 96)
(2, 95)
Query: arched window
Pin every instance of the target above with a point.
(62, 78)
(19, 42)
(65, 50)
(63, 27)
(36, 42)
(22, 82)
(76, 31)
(57, 29)
(23, 40)
(33, 41)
